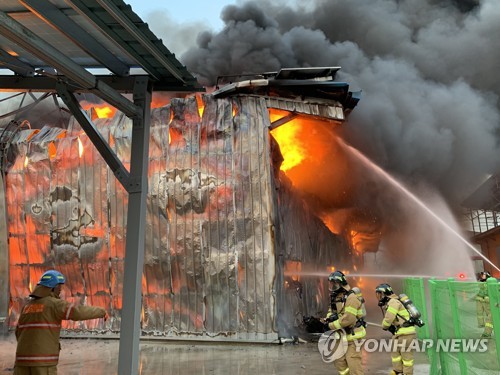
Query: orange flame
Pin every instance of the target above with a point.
(290, 146)
(201, 105)
(171, 117)
(158, 101)
(80, 147)
(293, 268)
(52, 150)
(103, 110)
(26, 161)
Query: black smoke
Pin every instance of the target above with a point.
(428, 71)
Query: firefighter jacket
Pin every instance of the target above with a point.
(397, 315)
(482, 296)
(350, 317)
(39, 326)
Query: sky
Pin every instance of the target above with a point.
(178, 23)
(203, 11)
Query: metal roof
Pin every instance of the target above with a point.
(105, 37)
(307, 85)
(55, 46)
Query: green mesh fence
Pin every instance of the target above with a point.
(415, 289)
(467, 311)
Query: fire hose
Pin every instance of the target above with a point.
(374, 324)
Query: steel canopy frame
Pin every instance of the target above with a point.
(163, 72)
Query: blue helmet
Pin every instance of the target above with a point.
(51, 279)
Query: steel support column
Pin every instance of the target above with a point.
(130, 329)
(4, 260)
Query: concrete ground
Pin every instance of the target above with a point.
(100, 357)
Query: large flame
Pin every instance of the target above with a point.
(102, 110)
(327, 178)
(288, 138)
(290, 146)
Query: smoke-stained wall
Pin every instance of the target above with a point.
(306, 251)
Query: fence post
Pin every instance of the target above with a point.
(456, 324)
(494, 294)
(423, 309)
(436, 356)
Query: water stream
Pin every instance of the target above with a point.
(414, 198)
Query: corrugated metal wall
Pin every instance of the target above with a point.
(224, 225)
(209, 266)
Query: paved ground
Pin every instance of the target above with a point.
(100, 357)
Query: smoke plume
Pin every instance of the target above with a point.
(427, 70)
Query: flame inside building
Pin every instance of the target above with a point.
(233, 216)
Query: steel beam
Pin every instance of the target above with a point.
(55, 17)
(120, 84)
(130, 329)
(16, 65)
(283, 120)
(81, 7)
(128, 25)
(25, 38)
(4, 260)
(94, 135)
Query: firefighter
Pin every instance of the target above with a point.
(39, 325)
(346, 312)
(483, 305)
(397, 321)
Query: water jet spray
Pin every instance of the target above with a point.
(414, 198)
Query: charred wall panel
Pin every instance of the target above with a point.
(306, 251)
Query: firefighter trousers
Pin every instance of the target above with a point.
(402, 359)
(350, 362)
(484, 316)
(35, 370)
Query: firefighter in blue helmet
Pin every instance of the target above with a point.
(346, 312)
(39, 325)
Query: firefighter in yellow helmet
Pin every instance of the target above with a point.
(397, 321)
(483, 305)
(346, 312)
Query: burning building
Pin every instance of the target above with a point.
(228, 235)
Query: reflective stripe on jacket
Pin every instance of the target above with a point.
(396, 314)
(39, 327)
(349, 313)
